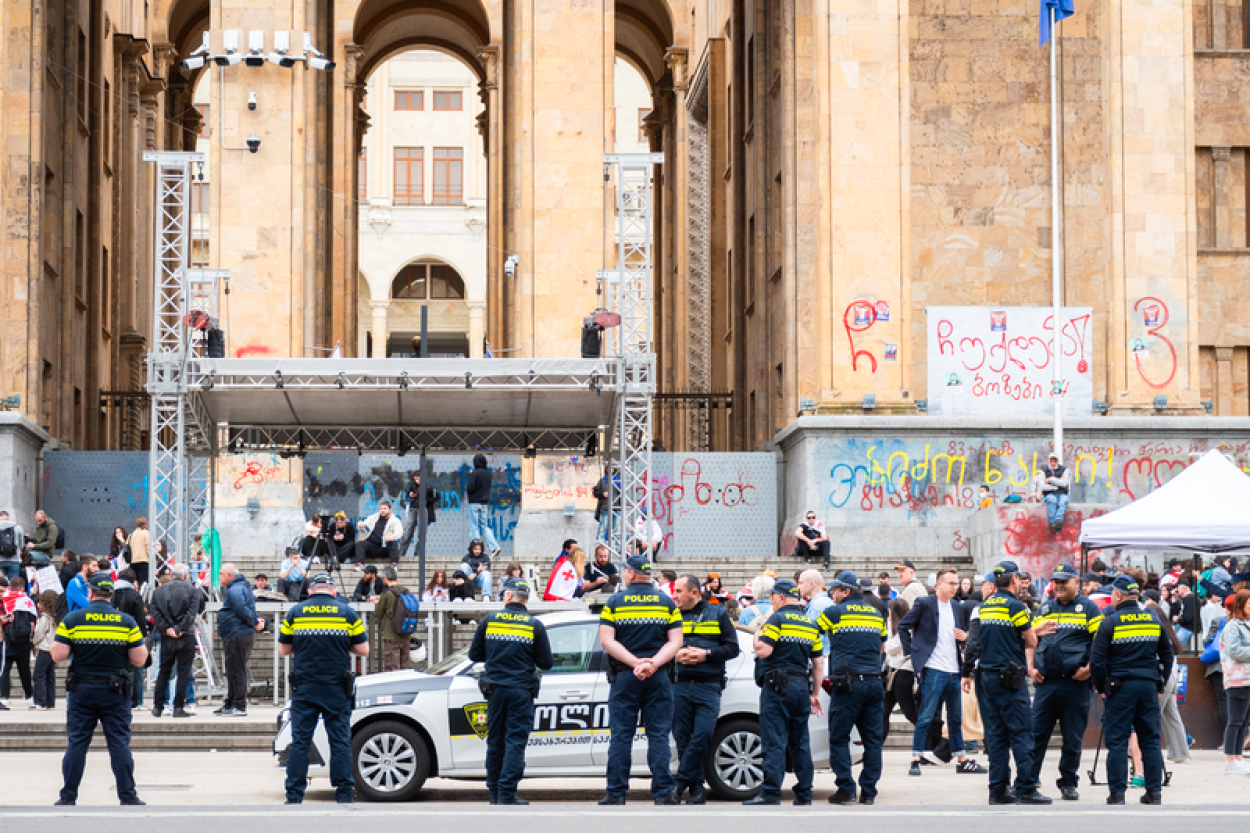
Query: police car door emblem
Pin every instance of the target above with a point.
(476, 713)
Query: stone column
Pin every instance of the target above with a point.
(497, 329)
(379, 328)
(1220, 197)
(1223, 381)
(1219, 25)
(477, 328)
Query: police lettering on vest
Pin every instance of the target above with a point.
(100, 637)
(322, 631)
(795, 639)
(512, 643)
(642, 617)
(1003, 619)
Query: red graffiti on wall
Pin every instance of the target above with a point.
(865, 315)
(1155, 312)
(254, 472)
(252, 350)
(1038, 550)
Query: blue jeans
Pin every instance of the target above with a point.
(1056, 507)
(939, 687)
(482, 580)
(783, 729)
(862, 707)
(10, 569)
(654, 698)
(479, 526)
(509, 719)
(93, 703)
(1185, 635)
(695, 709)
(312, 701)
(601, 534)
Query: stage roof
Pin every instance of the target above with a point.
(384, 404)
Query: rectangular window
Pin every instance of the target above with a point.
(200, 197)
(80, 257)
(409, 176)
(409, 100)
(206, 120)
(448, 176)
(362, 177)
(446, 100)
(83, 69)
(107, 124)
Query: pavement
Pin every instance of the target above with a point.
(214, 782)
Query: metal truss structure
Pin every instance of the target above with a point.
(297, 441)
(629, 295)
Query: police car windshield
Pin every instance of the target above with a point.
(450, 663)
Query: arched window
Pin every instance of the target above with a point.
(422, 281)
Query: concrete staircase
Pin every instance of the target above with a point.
(198, 734)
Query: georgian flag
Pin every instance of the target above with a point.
(562, 583)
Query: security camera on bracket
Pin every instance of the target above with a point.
(282, 46)
(230, 43)
(197, 58)
(255, 50)
(316, 59)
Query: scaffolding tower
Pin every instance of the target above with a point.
(629, 294)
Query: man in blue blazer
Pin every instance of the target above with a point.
(932, 634)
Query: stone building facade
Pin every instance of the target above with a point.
(818, 155)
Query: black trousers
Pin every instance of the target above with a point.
(387, 549)
(179, 653)
(903, 694)
(18, 655)
(45, 680)
(1065, 702)
(237, 652)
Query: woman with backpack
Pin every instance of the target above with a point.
(140, 542)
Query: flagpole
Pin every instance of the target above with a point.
(1055, 284)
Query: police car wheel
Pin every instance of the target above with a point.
(392, 761)
(735, 769)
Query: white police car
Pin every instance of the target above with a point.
(409, 726)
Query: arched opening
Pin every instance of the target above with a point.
(422, 204)
(186, 23)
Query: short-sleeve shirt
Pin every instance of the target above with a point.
(322, 631)
(1068, 647)
(795, 640)
(100, 638)
(642, 617)
(856, 631)
(1004, 619)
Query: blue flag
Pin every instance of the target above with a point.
(1063, 8)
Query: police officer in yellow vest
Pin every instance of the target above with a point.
(102, 645)
(640, 629)
(789, 670)
(1127, 661)
(512, 643)
(322, 633)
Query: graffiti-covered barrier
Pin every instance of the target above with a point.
(893, 487)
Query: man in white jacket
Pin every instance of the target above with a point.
(379, 535)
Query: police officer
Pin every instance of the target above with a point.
(1129, 654)
(1060, 670)
(1005, 632)
(640, 629)
(102, 644)
(856, 632)
(322, 632)
(512, 643)
(789, 670)
(709, 640)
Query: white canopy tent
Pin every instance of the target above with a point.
(1205, 509)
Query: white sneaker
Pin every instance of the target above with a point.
(190, 708)
(4, 701)
(1238, 767)
(932, 758)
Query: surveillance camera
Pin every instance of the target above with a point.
(510, 264)
(284, 60)
(191, 63)
(228, 60)
(321, 64)
(254, 59)
(251, 101)
(197, 58)
(253, 143)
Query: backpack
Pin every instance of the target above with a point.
(8, 542)
(20, 629)
(60, 537)
(404, 619)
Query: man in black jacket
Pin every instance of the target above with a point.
(128, 600)
(477, 493)
(370, 587)
(174, 607)
(709, 640)
(411, 515)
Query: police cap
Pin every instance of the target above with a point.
(1005, 568)
(321, 578)
(101, 581)
(1063, 572)
(1125, 584)
(518, 585)
(846, 579)
(639, 564)
(787, 588)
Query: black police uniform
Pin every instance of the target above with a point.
(642, 617)
(697, 692)
(786, 707)
(1059, 696)
(1004, 696)
(512, 643)
(322, 631)
(100, 638)
(1126, 661)
(856, 632)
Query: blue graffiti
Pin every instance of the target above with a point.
(371, 505)
(141, 489)
(849, 478)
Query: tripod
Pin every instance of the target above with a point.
(321, 549)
